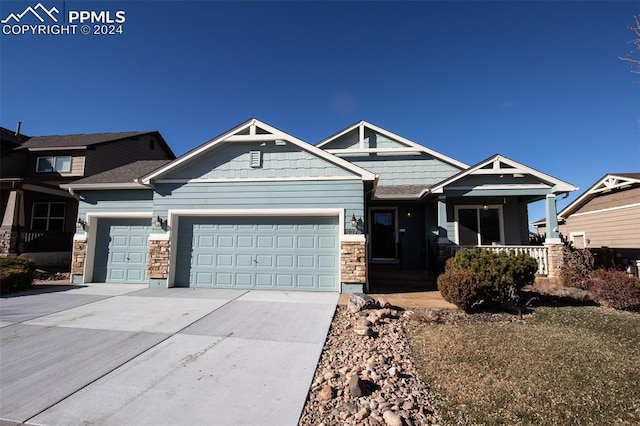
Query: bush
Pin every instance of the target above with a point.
(16, 274)
(460, 287)
(492, 278)
(615, 289)
(577, 267)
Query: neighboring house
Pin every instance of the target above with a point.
(258, 208)
(605, 219)
(39, 218)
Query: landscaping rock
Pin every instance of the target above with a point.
(392, 419)
(326, 393)
(380, 370)
(360, 301)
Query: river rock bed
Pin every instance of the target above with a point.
(365, 375)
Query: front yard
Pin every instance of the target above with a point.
(571, 365)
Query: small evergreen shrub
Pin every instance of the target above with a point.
(615, 289)
(577, 267)
(460, 287)
(495, 278)
(16, 274)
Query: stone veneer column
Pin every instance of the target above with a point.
(556, 261)
(353, 262)
(78, 257)
(158, 261)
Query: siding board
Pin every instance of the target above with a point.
(619, 228)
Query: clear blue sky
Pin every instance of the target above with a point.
(539, 82)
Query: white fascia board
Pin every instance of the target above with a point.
(589, 194)
(337, 135)
(499, 187)
(416, 145)
(353, 238)
(284, 179)
(232, 136)
(557, 185)
(119, 215)
(103, 186)
(204, 147)
(393, 136)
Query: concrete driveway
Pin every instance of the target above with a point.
(125, 354)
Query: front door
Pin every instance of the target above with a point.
(383, 234)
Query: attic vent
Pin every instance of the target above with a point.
(255, 159)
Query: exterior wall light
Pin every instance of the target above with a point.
(160, 222)
(81, 223)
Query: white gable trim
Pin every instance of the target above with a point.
(607, 183)
(234, 135)
(514, 168)
(284, 179)
(392, 136)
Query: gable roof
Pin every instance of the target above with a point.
(608, 182)
(499, 165)
(254, 130)
(413, 146)
(12, 137)
(84, 140)
(120, 177)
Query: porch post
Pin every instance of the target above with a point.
(12, 223)
(553, 233)
(444, 245)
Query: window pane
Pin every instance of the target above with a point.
(490, 226)
(57, 210)
(39, 224)
(468, 227)
(40, 210)
(56, 225)
(44, 164)
(63, 164)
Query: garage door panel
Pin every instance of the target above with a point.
(121, 250)
(259, 252)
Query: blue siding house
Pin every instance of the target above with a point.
(257, 208)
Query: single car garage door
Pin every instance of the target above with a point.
(284, 253)
(121, 250)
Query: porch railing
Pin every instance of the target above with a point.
(44, 241)
(539, 253)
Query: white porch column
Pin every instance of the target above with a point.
(553, 233)
(14, 213)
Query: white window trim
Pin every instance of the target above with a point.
(479, 207)
(579, 234)
(53, 161)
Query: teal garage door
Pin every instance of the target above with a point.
(121, 250)
(280, 253)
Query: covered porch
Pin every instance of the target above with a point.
(411, 234)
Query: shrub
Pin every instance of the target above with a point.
(577, 267)
(461, 287)
(16, 274)
(615, 289)
(495, 278)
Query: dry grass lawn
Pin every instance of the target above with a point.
(558, 366)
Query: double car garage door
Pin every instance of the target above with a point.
(281, 252)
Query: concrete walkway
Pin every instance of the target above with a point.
(125, 354)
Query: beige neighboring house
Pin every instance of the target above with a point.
(605, 219)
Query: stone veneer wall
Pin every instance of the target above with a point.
(158, 261)
(353, 267)
(78, 257)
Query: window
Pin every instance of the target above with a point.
(53, 164)
(48, 216)
(479, 226)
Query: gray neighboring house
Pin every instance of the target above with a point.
(258, 208)
(38, 218)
